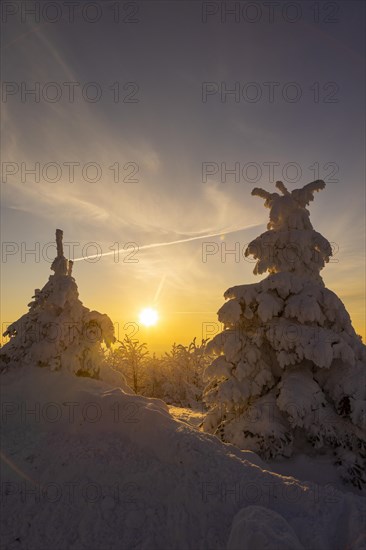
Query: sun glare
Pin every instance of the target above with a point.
(148, 317)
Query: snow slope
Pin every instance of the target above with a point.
(193, 417)
(94, 467)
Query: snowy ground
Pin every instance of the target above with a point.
(318, 469)
(193, 417)
(89, 466)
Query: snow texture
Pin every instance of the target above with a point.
(58, 332)
(87, 465)
(257, 528)
(289, 364)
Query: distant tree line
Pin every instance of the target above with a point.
(176, 377)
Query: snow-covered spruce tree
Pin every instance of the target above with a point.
(290, 369)
(58, 332)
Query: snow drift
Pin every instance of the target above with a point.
(87, 465)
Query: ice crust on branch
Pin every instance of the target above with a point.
(290, 242)
(58, 332)
(290, 368)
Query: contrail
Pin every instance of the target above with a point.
(159, 289)
(170, 243)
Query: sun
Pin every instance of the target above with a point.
(148, 317)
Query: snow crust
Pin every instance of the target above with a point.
(144, 480)
(258, 528)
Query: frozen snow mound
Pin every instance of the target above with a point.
(257, 528)
(87, 465)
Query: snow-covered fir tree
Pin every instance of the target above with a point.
(58, 332)
(290, 368)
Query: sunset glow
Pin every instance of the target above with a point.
(151, 188)
(148, 317)
(182, 216)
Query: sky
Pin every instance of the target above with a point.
(151, 122)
